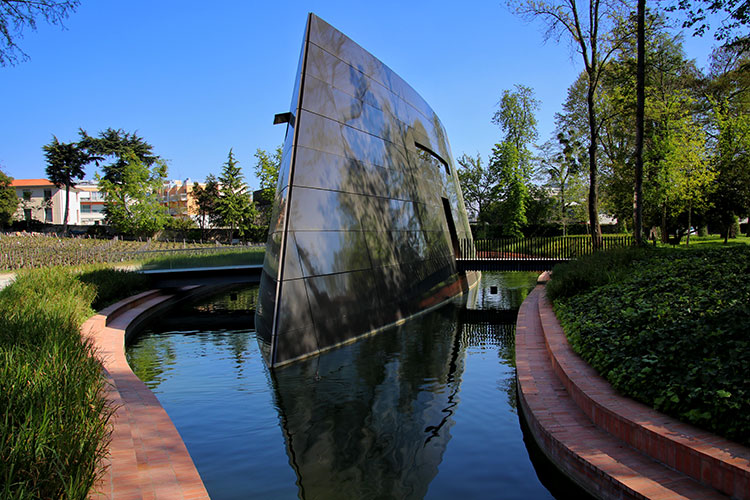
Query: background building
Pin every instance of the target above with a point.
(92, 203)
(179, 199)
(42, 201)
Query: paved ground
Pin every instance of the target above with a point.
(5, 279)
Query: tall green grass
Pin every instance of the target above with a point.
(53, 415)
(593, 270)
(232, 256)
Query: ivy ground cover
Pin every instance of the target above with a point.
(668, 328)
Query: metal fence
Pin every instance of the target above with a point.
(538, 248)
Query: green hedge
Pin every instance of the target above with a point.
(53, 415)
(668, 328)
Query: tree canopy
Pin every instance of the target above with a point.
(16, 15)
(8, 200)
(65, 162)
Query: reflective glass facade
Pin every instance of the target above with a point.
(368, 206)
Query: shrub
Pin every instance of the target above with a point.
(670, 330)
(112, 285)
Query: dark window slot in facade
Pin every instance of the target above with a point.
(430, 156)
(451, 225)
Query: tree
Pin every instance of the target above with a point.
(595, 38)
(207, 198)
(65, 163)
(234, 206)
(691, 176)
(131, 181)
(119, 147)
(478, 184)
(561, 164)
(8, 200)
(738, 16)
(267, 172)
(731, 157)
(133, 204)
(15, 15)
(511, 158)
(640, 106)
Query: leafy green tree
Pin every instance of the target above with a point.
(119, 147)
(731, 157)
(234, 206)
(207, 198)
(15, 15)
(513, 185)
(65, 162)
(734, 14)
(595, 36)
(561, 165)
(267, 172)
(511, 158)
(131, 181)
(691, 176)
(132, 203)
(479, 184)
(8, 200)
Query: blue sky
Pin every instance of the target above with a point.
(197, 78)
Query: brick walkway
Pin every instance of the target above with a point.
(612, 446)
(147, 458)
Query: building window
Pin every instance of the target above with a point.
(47, 194)
(86, 209)
(27, 213)
(47, 214)
(26, 195)
(429, 156)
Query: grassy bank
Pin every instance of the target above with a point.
(666, 327)
(54, 425)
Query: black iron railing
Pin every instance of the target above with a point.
(537, 248)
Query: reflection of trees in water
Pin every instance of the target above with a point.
(152, 357)
(242, 299)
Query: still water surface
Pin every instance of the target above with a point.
(425, 410)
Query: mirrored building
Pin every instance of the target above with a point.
(368, 212)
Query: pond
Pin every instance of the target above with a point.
(423, 410)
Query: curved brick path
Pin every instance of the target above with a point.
(613, 446)
(147, 458)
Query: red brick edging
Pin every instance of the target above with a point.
(566, 402)
(147, 457)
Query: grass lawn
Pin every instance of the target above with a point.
(710, 241)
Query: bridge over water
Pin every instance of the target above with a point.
(529, 254)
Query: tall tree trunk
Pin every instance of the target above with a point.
(664, 235)
(562, 212)
(596, 230)
(639, 112)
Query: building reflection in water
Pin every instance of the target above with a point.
(377, 419)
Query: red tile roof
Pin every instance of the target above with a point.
(30, 182)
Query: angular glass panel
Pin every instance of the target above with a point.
(319, 98)
(320, 210)
(294, 344)
(294, 308)
(278, 214)
(317, 132)
(327, 252)
(380, 246)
